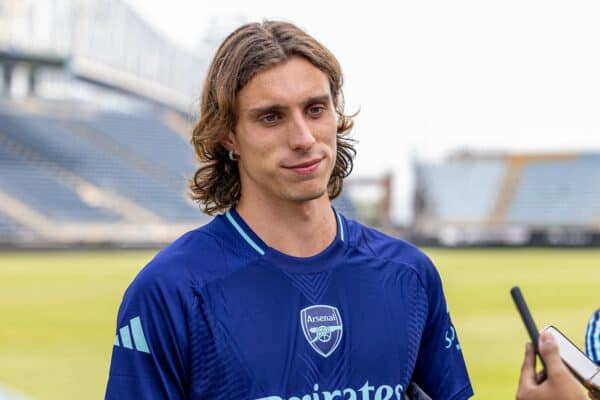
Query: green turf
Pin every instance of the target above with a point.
(57, 312)
(561, 287)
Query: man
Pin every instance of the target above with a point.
(560, 384)
(281, 297)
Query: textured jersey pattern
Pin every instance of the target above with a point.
(226, 317)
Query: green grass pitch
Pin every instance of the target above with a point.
(58, 309)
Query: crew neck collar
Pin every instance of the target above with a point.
(315, 263)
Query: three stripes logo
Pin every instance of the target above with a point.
(132, 337)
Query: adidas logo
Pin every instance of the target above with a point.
(132, 331)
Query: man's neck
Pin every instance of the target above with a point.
(300, 229)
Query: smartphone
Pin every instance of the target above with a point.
(580, 365)
(532, 329)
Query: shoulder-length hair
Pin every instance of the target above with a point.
(248, 50)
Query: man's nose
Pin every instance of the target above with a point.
(301, 136)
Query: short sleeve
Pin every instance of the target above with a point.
(150, 356)
(592, 337)
(440, 368)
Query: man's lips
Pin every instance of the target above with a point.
(305, 167)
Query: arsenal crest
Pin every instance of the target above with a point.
(322, 327)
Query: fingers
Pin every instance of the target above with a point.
(549, 351)
(527, 377)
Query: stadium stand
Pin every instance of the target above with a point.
(514, 199)
(99, 159)
(462, 190)
(565, 193)
(146, 138)
(94, 170)
(40, 189)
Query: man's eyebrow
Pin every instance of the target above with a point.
(325, 98)
(257, 111)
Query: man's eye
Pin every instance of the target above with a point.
(270, 118)
(315, 110)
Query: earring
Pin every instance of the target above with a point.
(233, 156)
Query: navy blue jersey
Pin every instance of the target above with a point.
(220, 315)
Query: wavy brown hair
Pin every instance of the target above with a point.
(247, 51)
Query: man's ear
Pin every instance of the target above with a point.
(230, 143)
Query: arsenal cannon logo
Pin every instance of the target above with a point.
(322, 327)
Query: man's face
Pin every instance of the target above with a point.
(285, 134)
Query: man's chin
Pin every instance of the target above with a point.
(309, 195)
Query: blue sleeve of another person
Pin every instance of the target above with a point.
(592, 337)
(150, 358)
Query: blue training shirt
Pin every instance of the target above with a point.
(220, 315)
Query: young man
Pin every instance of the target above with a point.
(281, 297)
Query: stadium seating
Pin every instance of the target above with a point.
(515, 199)
(461, 190)
(147, 137)
(103, 161)
(42, 190)
(563, 192)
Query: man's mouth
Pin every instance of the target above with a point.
(305, 167)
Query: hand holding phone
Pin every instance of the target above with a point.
(584, 369)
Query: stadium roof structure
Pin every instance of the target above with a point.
(104, 43)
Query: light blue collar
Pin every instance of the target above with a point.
(259, 249)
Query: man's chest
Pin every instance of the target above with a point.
(293, 335)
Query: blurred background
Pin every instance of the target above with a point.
(478, 137)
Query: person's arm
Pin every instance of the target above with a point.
(150, 357)
(560, 384)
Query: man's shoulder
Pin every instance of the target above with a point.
(192, 260)
(395, 250)
(384, 245)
